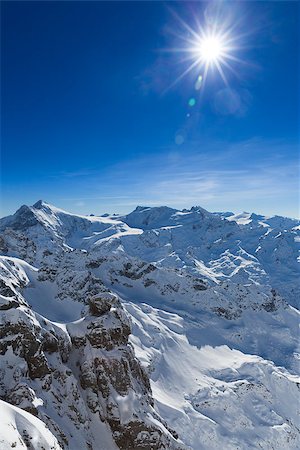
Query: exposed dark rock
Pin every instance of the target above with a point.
(95, 264)
(227, 313)
(5, 290)
(149, 282)
(136, 435)
(3, 246)
(101, 304)
(136, 272)
(200, 287)
(8, 304)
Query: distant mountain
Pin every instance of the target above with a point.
(156, 329)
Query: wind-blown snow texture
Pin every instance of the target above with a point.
(202, 304)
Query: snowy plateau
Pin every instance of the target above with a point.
(160, 329)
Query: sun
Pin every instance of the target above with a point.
(210, 49)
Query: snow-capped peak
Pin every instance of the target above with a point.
(148, 218)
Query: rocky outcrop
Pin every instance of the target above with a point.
(79, 376)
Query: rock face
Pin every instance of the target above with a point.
(81, 379)
(116, 331)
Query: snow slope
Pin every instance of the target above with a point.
(214, 395)
(21, 430)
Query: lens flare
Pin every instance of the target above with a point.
(192, 102)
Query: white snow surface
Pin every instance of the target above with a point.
(19, 429)
(212, 303)
(214, 395)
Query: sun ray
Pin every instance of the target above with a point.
(183, 23)
(229, 67)
(221, 72)
(188, 70)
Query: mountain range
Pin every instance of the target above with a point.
(159, 329)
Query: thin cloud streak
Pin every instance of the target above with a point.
(212, 179)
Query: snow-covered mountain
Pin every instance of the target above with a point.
(157, 329)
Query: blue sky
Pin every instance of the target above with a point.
(93, 121)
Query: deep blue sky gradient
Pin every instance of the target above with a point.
(90, 123)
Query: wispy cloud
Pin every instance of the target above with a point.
(226, 177)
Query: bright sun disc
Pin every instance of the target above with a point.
(210, 49)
